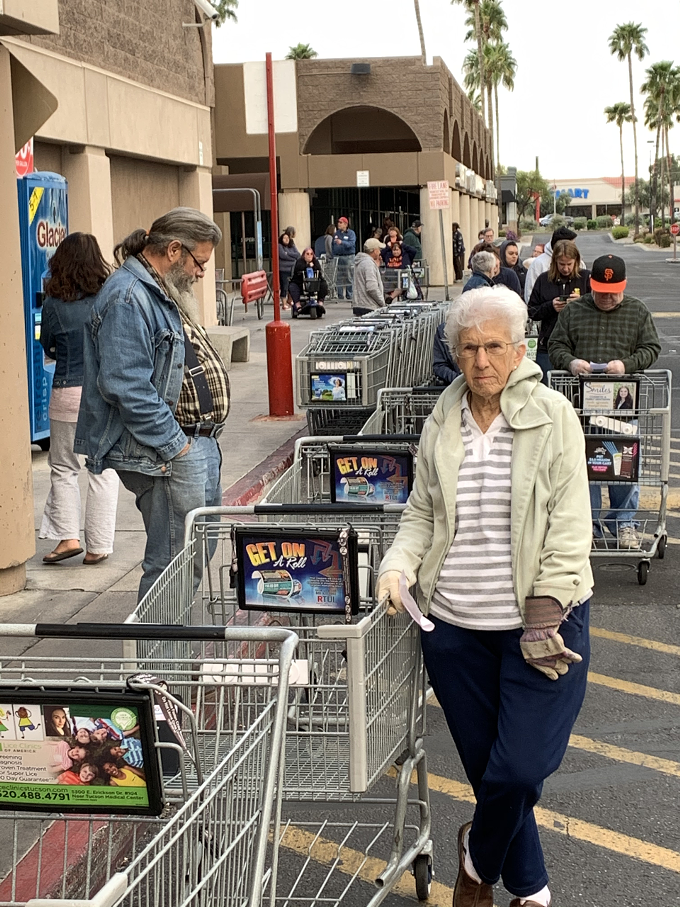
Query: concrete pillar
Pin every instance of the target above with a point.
(491, 214)
(16, 478)
(432, 243)
(455, 206)
(464, 202)
(474, 221)
(294, 212)
(223, 251)
(593, 212)
(90, 210)
(481, 214)
(195, 191)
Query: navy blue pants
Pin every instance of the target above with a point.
(511, 727)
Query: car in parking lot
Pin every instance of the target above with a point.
(548, 219)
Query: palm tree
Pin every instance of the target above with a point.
(421, 34)
(472, 82)
(473, 5)
(492, 21)
(662, 88)
(226, 9)
(502, 70)
(626, 40)
(620, 113)
(301, 52)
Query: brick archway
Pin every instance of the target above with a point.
(361, 129)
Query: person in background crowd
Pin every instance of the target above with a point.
(458, 252)
(542, 262)
(377, 234)
(393, 236)
(77, 273)
(368, 285)
(509, 255)
(291, 232)
(555, 289)
(478, 245)
(489, 235)
(398, 255)
(538, 249)
(412, 238)
(485, 266)
(344, 249)
(444, 365)
(606, 326)
(323, 245)
(386, 224)
(504, 276)
(288, 255)
(492, 539)
(306, 261)
(155, 391)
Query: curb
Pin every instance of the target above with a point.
(253, 485)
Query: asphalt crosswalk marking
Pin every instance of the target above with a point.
(633, 689)
(619, 754)
(635, 641)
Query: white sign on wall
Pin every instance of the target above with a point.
(438, 192)
(285, 97)
(363, 178)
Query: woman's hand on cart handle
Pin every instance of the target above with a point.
(388, 588)
(542, 645)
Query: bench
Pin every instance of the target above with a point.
(232, 343)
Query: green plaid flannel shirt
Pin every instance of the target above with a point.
(584, 332)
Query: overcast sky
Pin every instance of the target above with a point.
(565, 74)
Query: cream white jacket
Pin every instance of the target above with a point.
(551, 527)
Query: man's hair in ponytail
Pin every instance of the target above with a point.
(187, 225)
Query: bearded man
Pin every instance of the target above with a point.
(155, 392)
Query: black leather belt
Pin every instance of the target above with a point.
(202, 430)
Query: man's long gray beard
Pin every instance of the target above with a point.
(179, 285)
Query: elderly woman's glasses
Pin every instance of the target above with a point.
(493, 349)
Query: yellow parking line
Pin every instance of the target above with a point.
(635, 641)
(576, 828)
(619, 754)
(634, 689)
(356, 864)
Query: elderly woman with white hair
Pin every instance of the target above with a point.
(496, 538)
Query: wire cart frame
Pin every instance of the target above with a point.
(651, 422)
(362, 706)
(210, 845)
(402, 410)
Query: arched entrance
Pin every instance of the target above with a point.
(362, 130)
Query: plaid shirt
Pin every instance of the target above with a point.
(584, 332)
(188, 410)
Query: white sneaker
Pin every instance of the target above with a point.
(628, 537)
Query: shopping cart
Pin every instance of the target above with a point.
(357, 706)
(628, 445)
(329, 269)
(402, 410)
(213, 755)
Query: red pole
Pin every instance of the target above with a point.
(277, 332)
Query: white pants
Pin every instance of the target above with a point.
(61, 517)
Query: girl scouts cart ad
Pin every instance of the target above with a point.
(297, 570)
(68, 751)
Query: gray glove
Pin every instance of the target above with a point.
(541, 644)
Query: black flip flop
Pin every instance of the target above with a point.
(62, 556)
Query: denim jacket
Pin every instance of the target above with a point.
(61, 336)
(134, 366)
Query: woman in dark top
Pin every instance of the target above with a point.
(510, 259)
(553, 290)
(306, 262)
(288, 255)
(77, 272)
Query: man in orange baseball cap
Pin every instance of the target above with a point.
(610, 333)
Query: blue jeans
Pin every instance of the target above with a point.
(543, 361)
(344, 275)
(623, 501)
(511, 727)
(164, 502)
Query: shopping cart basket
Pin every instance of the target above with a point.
(215, 768)
(628, 445)
(359, 702)
(402, 410)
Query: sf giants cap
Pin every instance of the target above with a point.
(608, 274)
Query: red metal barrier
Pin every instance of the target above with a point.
(254, 286)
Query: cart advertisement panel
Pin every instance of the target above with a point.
(612, 458)
(610, 392)
(370, 476)
(294, 570)
(78, 752)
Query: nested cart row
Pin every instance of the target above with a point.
(356, 698)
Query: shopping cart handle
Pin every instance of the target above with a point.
(143, 631)
(304, 509)
(382, 438)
